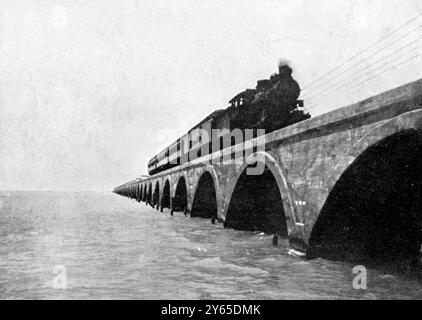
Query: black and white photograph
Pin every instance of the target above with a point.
(190, 152)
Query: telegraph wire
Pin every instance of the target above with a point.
(370, 78)
(393, 67)
(364, 50)
(374, 63)
(342, 84)
(371, 55)
(321, 97)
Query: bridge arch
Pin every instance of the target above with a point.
(180, 198)
(144, 191)
(156, 194)
(408, 121)
(373, 211)
(149, 196)
(141, 189)
(269, 209)
(411, 120)
(206, 195)
(176, 179)
(144, 195)
(274, 168)
(165, 198)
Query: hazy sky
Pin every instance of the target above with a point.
(90, 90)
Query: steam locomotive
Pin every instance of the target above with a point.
(272, 105)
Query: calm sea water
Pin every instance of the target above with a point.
(114, 248)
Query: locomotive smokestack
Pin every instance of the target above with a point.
(284, 68)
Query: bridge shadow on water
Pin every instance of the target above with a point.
(373, 214)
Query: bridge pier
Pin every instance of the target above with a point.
(298, 238)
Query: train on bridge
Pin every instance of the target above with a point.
(321, 179)
(272, 105)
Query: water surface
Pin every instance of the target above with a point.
(115, 248)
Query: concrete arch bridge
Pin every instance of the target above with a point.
(343, 185)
